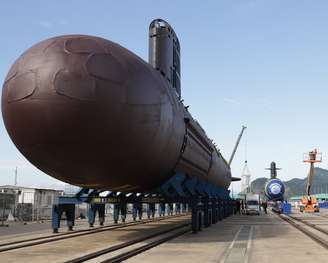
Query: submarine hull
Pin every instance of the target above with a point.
(91, 113)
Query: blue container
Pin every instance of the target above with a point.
(286, 208)
(323, 205)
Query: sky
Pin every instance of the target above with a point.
(258, 63)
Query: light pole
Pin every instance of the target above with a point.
(3, 208)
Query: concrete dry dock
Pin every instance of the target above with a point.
(264, 238)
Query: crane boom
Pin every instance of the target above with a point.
(313, 157)
(310, 203)
(309, 180)
(236, 146)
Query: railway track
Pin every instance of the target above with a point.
(325, 216)
(320, 229)
(314, 232)
(126, 250)
(24, 243)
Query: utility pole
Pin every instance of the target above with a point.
(16, 171)
(3, 208)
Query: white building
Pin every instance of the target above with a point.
(245, 179)
(33, 203)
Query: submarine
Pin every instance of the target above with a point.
(274, 188)
(91, 113)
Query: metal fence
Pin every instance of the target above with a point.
(7, 205)
(11, 210)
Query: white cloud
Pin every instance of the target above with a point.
(62, 22)
(231, 101)
(46, 24)
(52, 23)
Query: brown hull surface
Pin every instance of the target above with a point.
(91, 113)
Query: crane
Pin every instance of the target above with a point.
(236, 146)
(310, 203)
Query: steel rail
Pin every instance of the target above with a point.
(310, 225)
(133, 252)
(305, 231)
(136, 251)
(48, 239)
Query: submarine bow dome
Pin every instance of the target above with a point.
(274, 189)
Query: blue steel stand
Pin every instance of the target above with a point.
(120, 209)
(58, 210)
(170, 209)
(214, 211)
(161, 209)
(150, 210)
(221, 209)
(116, 213)
(207, 212)
(184, 208)
(92, 211)
(177, 208)
(208, 203)
(197, 214)
(137, 211)
(123, 211)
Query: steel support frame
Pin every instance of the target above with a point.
(208, 204)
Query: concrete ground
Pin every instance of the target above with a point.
(18, 228)
(29, 229)
(264, 238)
(256, 239)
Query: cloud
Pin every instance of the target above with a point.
(62, 22)
(231, 101)
(52, 23)
(46, 24)
(256, 103)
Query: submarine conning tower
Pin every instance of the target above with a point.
(164, 52)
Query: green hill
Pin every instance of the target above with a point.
(297, 186)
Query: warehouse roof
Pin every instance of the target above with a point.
(15, 187)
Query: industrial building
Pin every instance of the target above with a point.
(27, 203)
